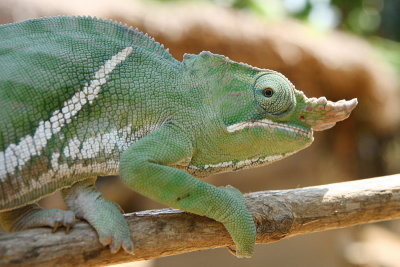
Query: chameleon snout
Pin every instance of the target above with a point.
(321, 114)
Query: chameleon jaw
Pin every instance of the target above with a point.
(270, 125)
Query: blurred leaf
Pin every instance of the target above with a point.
(390, 50)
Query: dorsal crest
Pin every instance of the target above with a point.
(110, 30)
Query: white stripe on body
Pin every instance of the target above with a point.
(63, 170)
(17, 155)
(90, 148)
(114, 139)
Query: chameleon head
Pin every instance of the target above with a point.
(265, 117)
(287, 120)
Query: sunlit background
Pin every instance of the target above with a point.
(340, 49)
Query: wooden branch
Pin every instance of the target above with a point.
(279, 214)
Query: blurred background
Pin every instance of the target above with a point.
(336, 48)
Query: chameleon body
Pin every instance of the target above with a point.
(82, 97)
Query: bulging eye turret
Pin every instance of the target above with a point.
(275, 94)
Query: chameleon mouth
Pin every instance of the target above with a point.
(270, 125)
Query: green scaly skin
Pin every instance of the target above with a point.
(83, 97)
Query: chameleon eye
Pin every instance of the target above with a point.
(268, 92)
(274, 93)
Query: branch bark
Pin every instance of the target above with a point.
(278, 214)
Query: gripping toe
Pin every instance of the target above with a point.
(103, 215)
(32, 216)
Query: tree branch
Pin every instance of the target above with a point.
(278, 214)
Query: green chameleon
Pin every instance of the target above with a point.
(82, 97)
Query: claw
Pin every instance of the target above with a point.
(128, 247)
(56, 226)
(115, 246)
(68, 228)
(232, 250)
(235, 253)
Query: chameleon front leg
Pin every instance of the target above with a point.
(144, 167)
(103, 215)
(31, 216)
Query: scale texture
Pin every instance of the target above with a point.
(83, 97)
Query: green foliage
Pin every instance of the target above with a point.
(362, 17)
(390, 50)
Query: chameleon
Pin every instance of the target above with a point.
(83, 97)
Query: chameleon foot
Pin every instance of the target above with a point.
(32, 216)
(103, 215)
(239, 224)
